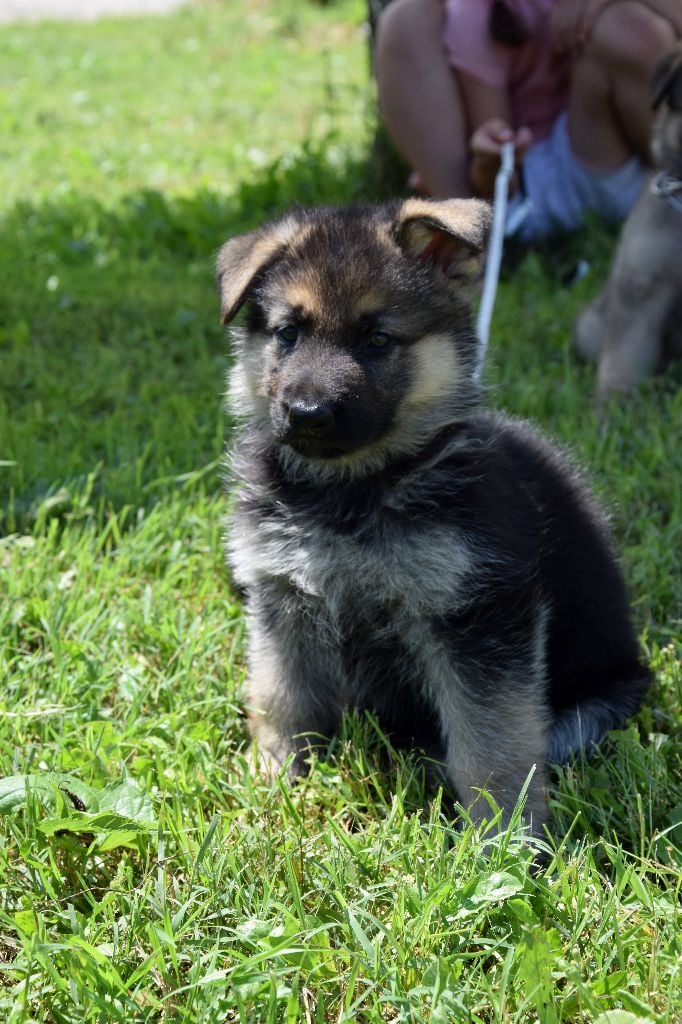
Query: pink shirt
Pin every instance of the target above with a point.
(533, 75)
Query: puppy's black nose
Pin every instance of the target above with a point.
(310, 418)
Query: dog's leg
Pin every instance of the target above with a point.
(293, 704)
(633, 338)
(495, 723)
(589, 328)
(494, 746)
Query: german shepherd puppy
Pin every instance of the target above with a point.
(402, 551)
(634, 326)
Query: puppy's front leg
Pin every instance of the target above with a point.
(293, 702)
(494, 745)
(589, 328)
(495, 725)
(633, 337)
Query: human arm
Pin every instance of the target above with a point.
(482, 71)
(490, 128)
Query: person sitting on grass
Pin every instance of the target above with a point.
(566, 81)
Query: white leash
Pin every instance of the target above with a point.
(494, 259)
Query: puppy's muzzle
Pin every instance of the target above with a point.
(308, 420)
(310, 425)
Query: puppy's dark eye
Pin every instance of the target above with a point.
(287, 334)
(378, 342)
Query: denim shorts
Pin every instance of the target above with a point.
(558, 188)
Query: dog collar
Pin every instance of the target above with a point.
(667, 187)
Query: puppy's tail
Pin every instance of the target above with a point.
(583, 726)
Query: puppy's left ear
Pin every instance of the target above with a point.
(449, 234)
(244, 258)
(666, 80)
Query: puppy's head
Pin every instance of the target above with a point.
(358, 339)
(666, 87)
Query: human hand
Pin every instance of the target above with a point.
(486, 152)
(487, 141)
(572, 21)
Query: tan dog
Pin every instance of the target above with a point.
(635, 324)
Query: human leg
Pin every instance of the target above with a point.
(420, 98)
(610, 114)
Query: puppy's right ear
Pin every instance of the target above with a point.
(666, 80)
(242, 258)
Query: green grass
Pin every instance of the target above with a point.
(145, 876)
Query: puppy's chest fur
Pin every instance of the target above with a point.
(347, 552)
(363, 588)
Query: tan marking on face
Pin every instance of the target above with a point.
(297, 296)
(371, 301)
(302, 294)
(436, 371)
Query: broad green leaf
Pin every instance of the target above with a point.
(609, 984)
(496, 888)
(16, 789)
(126, 799)
(523, 911)
(539, 951)
(26, 921)
(110, 830)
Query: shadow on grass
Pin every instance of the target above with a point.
(113, 358)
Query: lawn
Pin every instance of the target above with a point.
(145, 876)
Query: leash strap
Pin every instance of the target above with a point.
(494, 260)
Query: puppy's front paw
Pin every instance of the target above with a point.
(264, 762)
(269, 753)
(588, 332)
